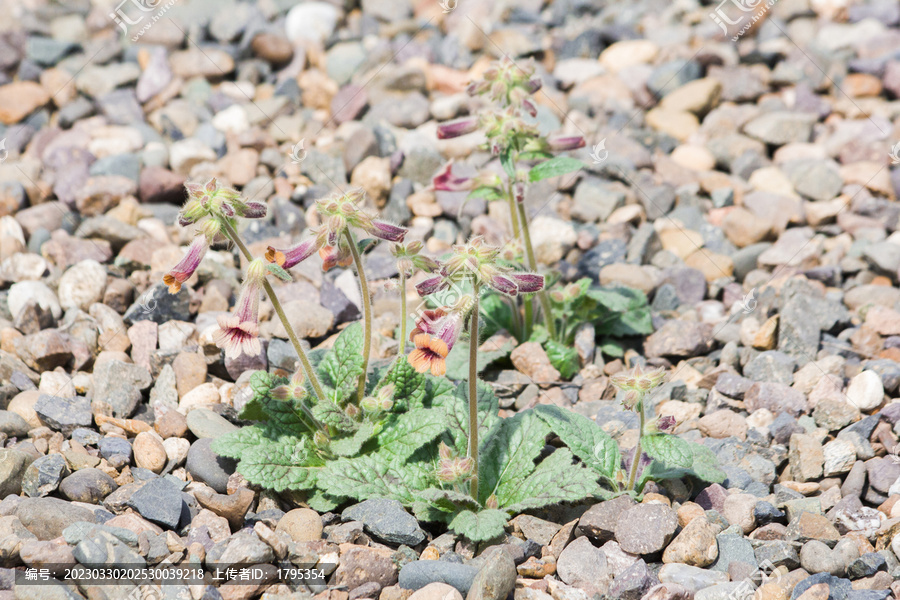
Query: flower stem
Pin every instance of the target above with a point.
(636, 459)
(401, 350)
(367, 313)
(304, 360)
(514, 216)
(532, 264)
(473, 395)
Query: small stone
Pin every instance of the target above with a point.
(205, 465)
(205, 423)
(866, 391)
(121, 386)
(806, 456)
(82, 285)
(817, 557)
(646, 528)
(582, 563)
(694, 545)
(159, 501)
(301, 525)
(531, 359)
(63, 414)
(599, 521)
(418, 574)
(87, 485)
(436, 591)
(44, 475)
(497, 577)
(48, 517)
(679, 338)
(386, 520)
(149, 452)
(19, 99)
(233, 507)
(360, 564)
(13, 465)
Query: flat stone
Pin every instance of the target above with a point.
(159, 501)
(386, 520)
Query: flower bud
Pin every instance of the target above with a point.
(369, 404)
(457, 127)
(492, 502)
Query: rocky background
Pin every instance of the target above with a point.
(748, 187)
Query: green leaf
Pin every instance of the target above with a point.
(331, 415)
(506, 161)
(232, 445)
(321, 502)
(612, 348)
(344, 364)
(458, 415)
(447, 500)
(508, 453)
(488, 192)
(260, 383)
(279, 272)
(670, 449)
(480, 526)
(706, 466)
(555, 480)
(351, 445)
(371, 476)
(584, 438)
(558, 165)
(458, 359)
(440, 392)
(410, 387)
(563, 358)
(496, 315)
(281, 464)
(407, 432)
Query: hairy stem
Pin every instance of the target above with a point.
(367, 313)
(401, 350)
(636, 459)
(301, 354)
(473, 395)
(528, 325)
(532, 264)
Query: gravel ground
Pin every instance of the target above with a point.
(745, 180)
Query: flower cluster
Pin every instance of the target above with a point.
(452, 468)
(209, 206)
(477, 263)
(507, 83)
(338, 215)
(382, 401)
(637, 382)
(409, 259)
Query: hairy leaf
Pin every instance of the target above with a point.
(260, 383)
(670, 449)
(555, 480)
(458, 359)
(558, 165)
(508, 453)
(706, 466)
(563, 358)
(480, 526)
(447, 500)
(321, 502)
(331, 415)
(352, 444)
(410, 386)
(440, 392)
(584, 438)
(458, 415)
(232, 445)
(405, 433)
(282, 464)
(368, 476)
(344, 364)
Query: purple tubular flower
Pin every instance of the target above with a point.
(503, 284)
(457, 127)
(255, 210)
(187, 265)
(534, 85)
(386, 231)
(529, 107)
(528, 283)
(431, 285)
(568, 142)
(292, 256)
(445, 181)
(666, 423)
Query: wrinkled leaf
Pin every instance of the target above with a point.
(280, 465)
(410, 387)
(584, 438)
(405, 433)
(481, 526)
(563, 358)
(508, 454)
(558, 165)
(670, 449)
(351, 445)
(555, 480)
(344, 364)
(458, 415)
(232, 445)
(458, 359)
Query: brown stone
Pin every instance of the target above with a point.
(19, 99)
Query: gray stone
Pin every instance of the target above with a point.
(838, 589)
(166, 306)
(633, 582)
(64, 414)
(159, 501)
(387, 520)
(120, 385)
(103, 549)
(87, 485)
(115, 446)
(733, 548)
(781, 127)
(207, 466)
(771, 365)
(243, 548)
(418, 574)
(44, 475)
(814, 178)
(582, 563)
(595, 200)
(13, 464)
(205, 423)
(775, 397)
(47, 518)
(13, 425)
(646, 528)
(497, 577)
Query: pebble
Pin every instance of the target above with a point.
(205, 465)
(301, 525)
(159, 501)
(87, 485)
(386, 520)
(418, 574)
(646, 528)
